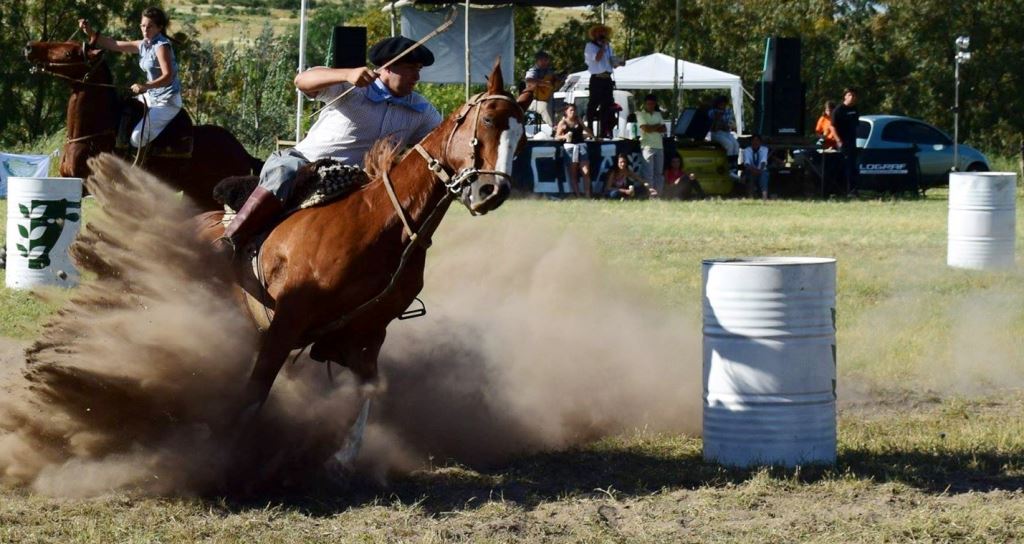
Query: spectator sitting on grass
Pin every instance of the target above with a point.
(680, 184)
(622, 183)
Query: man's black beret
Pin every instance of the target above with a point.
(389, 48)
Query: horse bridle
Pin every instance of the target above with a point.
(468, 175)
(454, 185)
(45, 67)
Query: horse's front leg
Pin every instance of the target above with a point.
(282, 335)
(360, 356)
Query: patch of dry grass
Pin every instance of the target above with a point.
(931, 443)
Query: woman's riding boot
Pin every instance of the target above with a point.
(259, 210)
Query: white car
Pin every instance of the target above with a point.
(934, 147)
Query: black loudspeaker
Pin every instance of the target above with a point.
(348, 47)
(693, 123)
(779, 108)
(782, 60)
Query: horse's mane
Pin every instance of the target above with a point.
(381, 156)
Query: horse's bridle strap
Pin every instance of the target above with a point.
(88, 137)
(406, 223)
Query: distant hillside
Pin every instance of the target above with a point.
(227, 19)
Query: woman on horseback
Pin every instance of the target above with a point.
(161, 92)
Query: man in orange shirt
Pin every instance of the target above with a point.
(824, 126)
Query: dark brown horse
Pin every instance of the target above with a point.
(338, 274)
(92, 124)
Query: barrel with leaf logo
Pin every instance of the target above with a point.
(43, 217)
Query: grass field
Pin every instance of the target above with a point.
(931, 442)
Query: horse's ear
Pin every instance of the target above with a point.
(495, 82)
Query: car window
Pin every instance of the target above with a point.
(863, 129)
(898, 131)
(923, 134)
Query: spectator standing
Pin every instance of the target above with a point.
(572, 131)
(601, 62)
(755, 166)
(844, 120)
(722, 124)
(652, 130)
(542, 76)
(824, 127)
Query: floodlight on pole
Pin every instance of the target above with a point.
(963, 54)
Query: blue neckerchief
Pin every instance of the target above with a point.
(376, 92)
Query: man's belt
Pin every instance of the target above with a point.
(604, 75)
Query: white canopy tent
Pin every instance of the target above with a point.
(655, 71)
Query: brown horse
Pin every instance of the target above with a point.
(338, 274)
(92, 124)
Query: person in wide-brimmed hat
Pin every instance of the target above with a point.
(382, 105)
(601, 62)
(602, 30)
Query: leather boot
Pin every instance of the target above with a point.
(258, 211)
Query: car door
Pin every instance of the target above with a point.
(935, 152)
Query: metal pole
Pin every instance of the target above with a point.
(468, 72)
(956, 116)
(675, 66)
(393, 19)
(302, 66)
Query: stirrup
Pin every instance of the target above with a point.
(229, 243)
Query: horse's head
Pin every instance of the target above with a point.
(487, 134)
(73, 60)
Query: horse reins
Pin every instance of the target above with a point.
(44, 67)
(453, 185)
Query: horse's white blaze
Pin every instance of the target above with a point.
(507, 146)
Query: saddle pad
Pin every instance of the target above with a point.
(332, 181)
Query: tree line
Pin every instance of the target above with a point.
(899, 54)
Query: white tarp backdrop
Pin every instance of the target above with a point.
(491, 35)
(655, 71)
(26, 166)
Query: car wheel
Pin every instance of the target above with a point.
(977, 167)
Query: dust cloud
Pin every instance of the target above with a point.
(134, 385)
(530, 345)
(935, 331)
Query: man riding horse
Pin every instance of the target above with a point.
(382, 105)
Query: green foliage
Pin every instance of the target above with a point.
(245, 85)
(898, 53)
(321, 25)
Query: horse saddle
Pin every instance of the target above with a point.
(315, 184)
(174, 141)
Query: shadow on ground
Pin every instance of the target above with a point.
(625, 472)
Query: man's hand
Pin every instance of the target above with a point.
(360, 77)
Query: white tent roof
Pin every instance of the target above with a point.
(655, 71)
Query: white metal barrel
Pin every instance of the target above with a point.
(769, 361)
(43, 217)
(982, 220)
